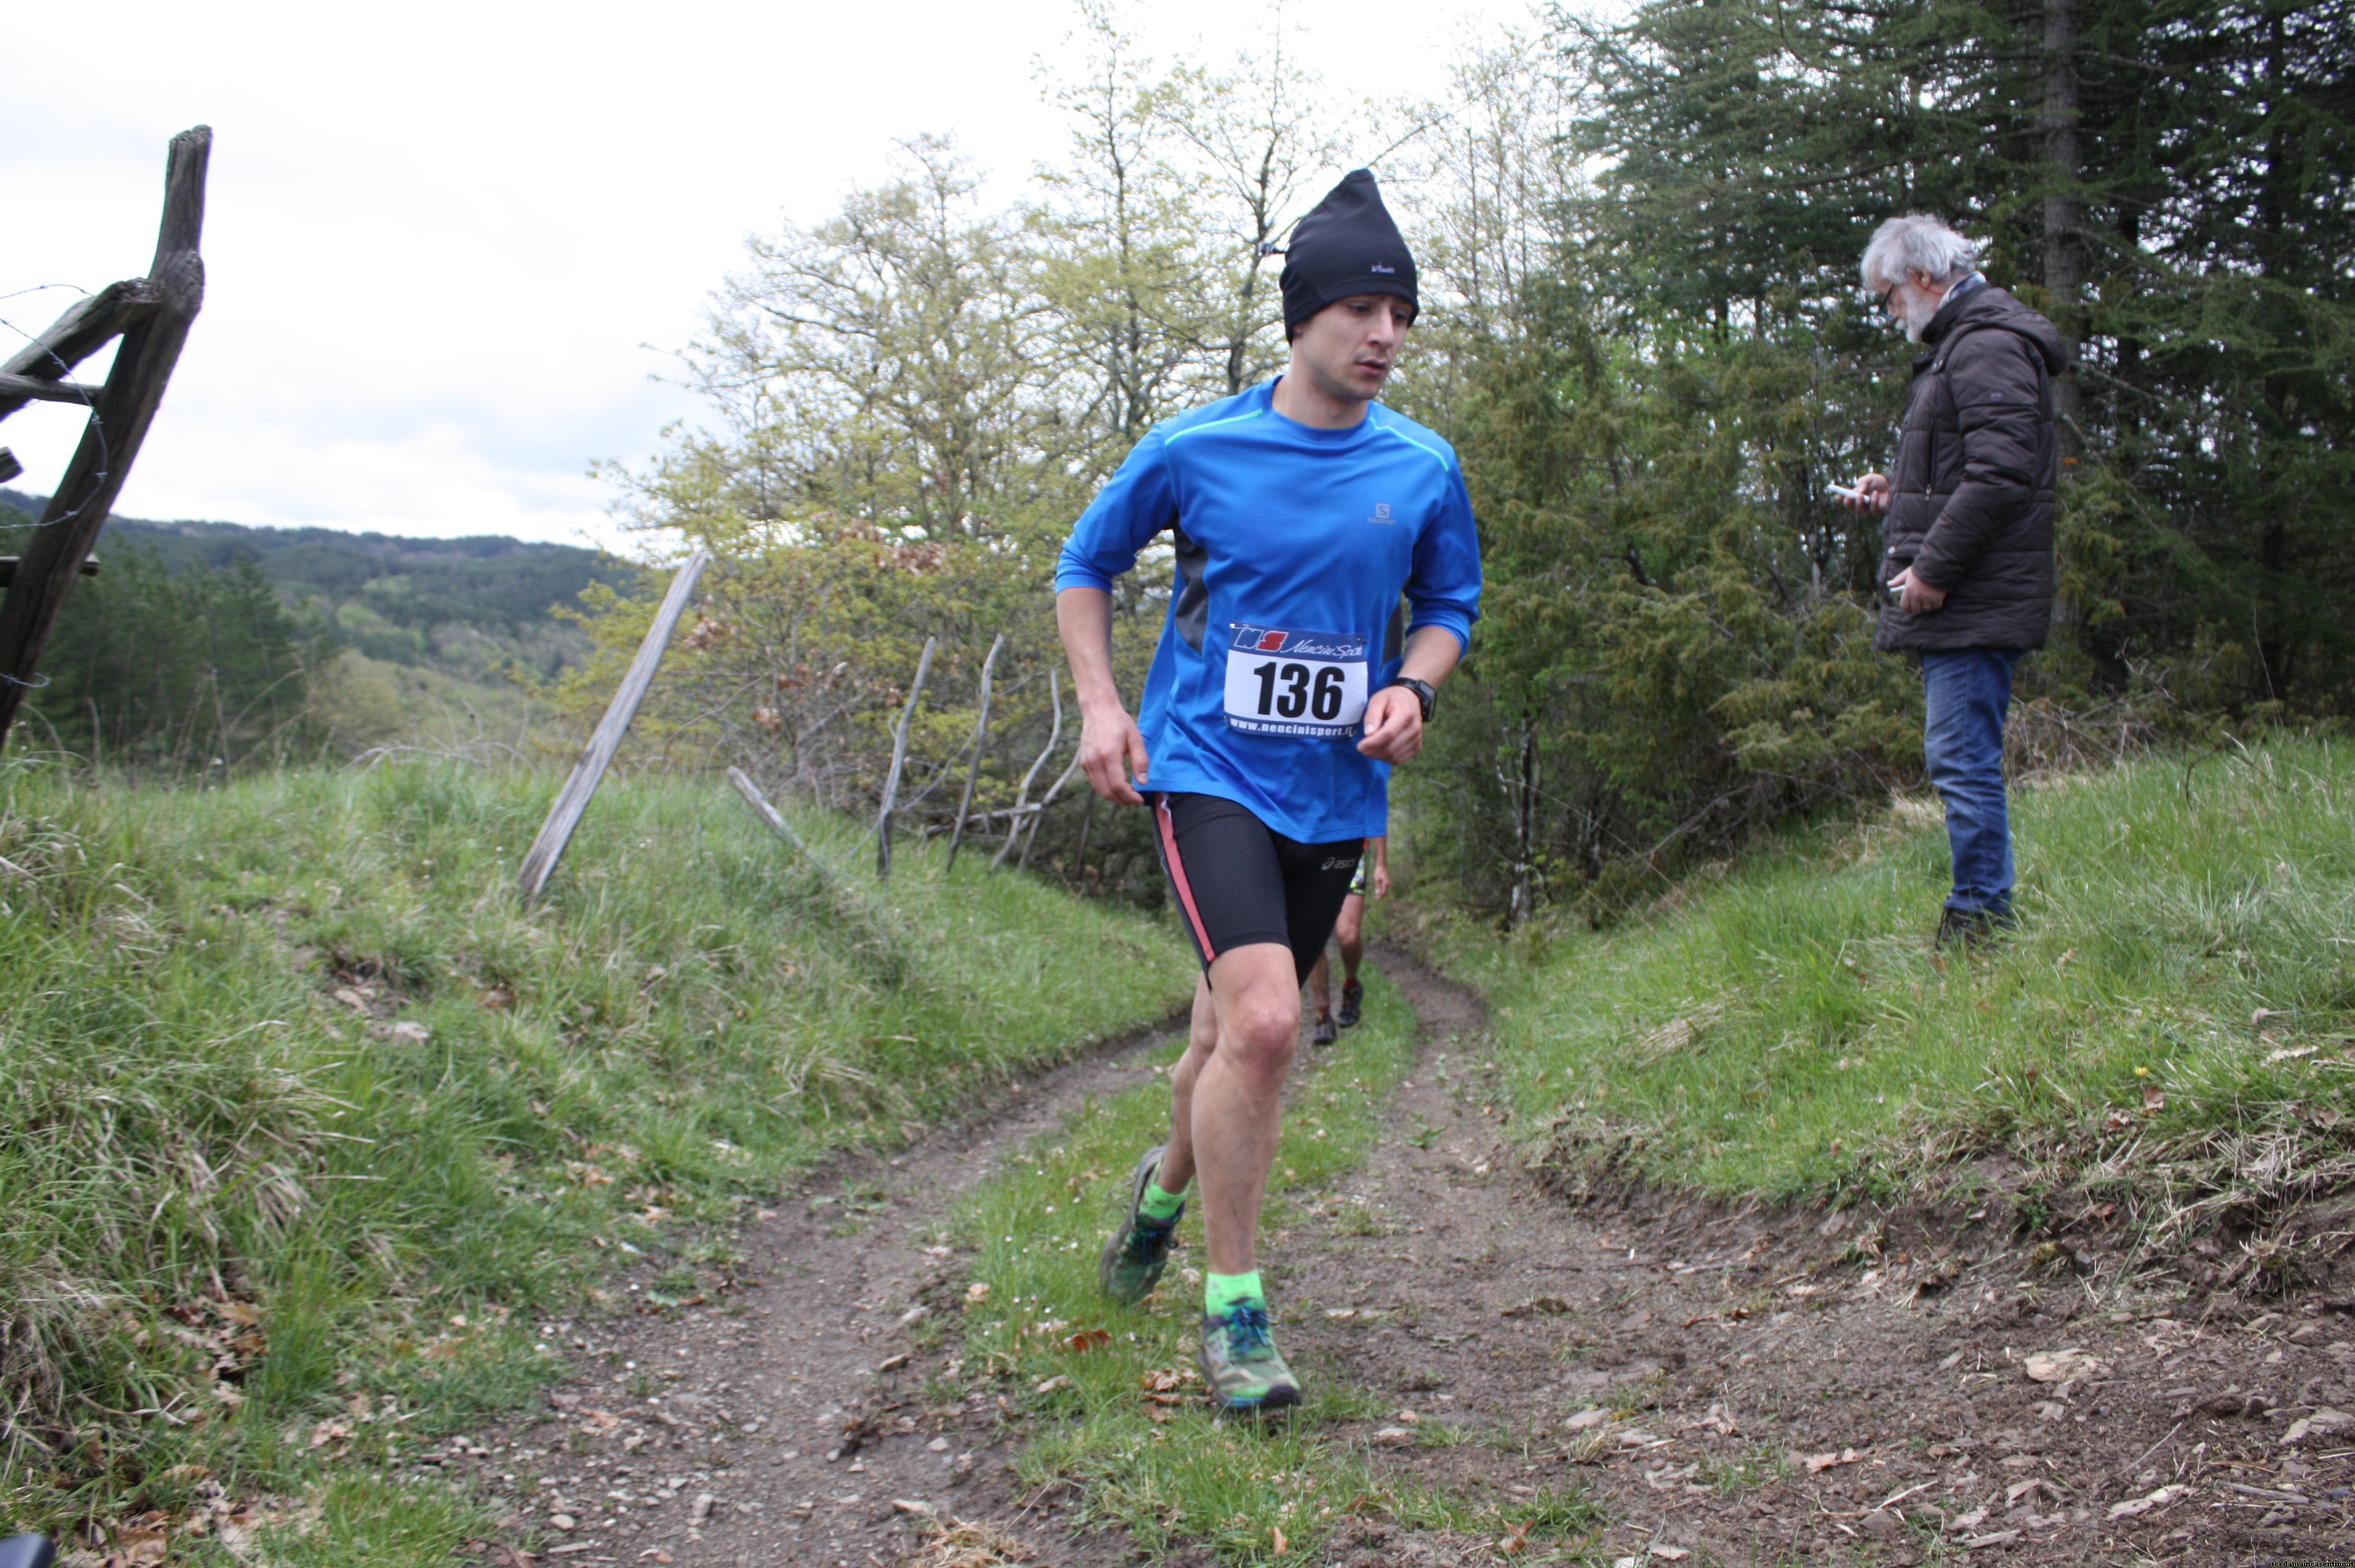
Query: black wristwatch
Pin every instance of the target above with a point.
(1424, 693)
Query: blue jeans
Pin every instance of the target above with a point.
(1966, 693)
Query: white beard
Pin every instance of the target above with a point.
(1919, 307)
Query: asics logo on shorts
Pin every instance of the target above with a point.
(1336, 862)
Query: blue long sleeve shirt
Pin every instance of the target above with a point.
(1294, 546)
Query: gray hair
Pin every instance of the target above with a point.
(1917, 242)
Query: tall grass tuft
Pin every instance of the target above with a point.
(297, 1102)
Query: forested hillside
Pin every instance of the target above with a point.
(200, 640)
(1644, 331)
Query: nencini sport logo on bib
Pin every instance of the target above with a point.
(1310, 684)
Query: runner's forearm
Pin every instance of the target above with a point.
(1432, 652)
(1084, 616)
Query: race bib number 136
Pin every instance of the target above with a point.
(1296, 683)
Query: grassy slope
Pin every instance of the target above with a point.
(297, 1105)
(2170, 1029)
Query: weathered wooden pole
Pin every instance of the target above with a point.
(42, 390)
(153, 318)
(850, 906)
(1055, 690)
(768, 814)
(980, 737)
(1041, 815)
(88, 325)
(539, 863)
(898, 760)
(1087, 826)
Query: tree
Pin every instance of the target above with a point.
(180, 671)
(909, 403)
(1265, 154)
(1120, 259)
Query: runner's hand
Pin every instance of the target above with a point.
(1393, 725)
(1382, 875)
(1111, 747)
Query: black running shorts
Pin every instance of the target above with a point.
(1237, 880)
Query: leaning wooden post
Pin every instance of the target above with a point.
(1041, 815)
(850, 906)
(899, 758)
(1087, 826)
(153, 318)
(606, 739)
(980, 737)
(1014, 830)
(768, 812)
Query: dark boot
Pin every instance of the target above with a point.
(1969, 929)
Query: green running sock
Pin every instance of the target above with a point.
(1158, 1206)
(1221, 1292)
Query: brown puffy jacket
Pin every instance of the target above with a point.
(1971, 495)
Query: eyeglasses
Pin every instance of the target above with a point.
(1883, 301)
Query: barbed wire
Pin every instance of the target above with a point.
(96, 426)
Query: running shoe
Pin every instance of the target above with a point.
(1139, 1249)
(1240, 1362)
(1326, 1033)
(1353, 998)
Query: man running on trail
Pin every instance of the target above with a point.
(1283, 690)
(1349, 934)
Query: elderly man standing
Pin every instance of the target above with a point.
(1967, 532)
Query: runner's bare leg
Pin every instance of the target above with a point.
(1201, 1041)
(1226, 1096)
(1350, 931)
(1320, 983)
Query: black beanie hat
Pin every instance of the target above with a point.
(1346, 245)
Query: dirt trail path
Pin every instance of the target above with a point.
(1731, 1387)
(785, 1425)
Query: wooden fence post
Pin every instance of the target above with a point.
(1087, 826)
(153, 317)
(1022, 797)
(980, 736)
(899, 758)
(606, 739)
(850, 906)
(1041, 815)
(768, 814)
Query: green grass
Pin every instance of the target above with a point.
(369, 1519)
(1253, 1496)
(2170, 1029)
(299, 1105)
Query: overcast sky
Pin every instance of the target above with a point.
(450, 246)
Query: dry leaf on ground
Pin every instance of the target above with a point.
(2059, 1366)
(2134, 1507)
